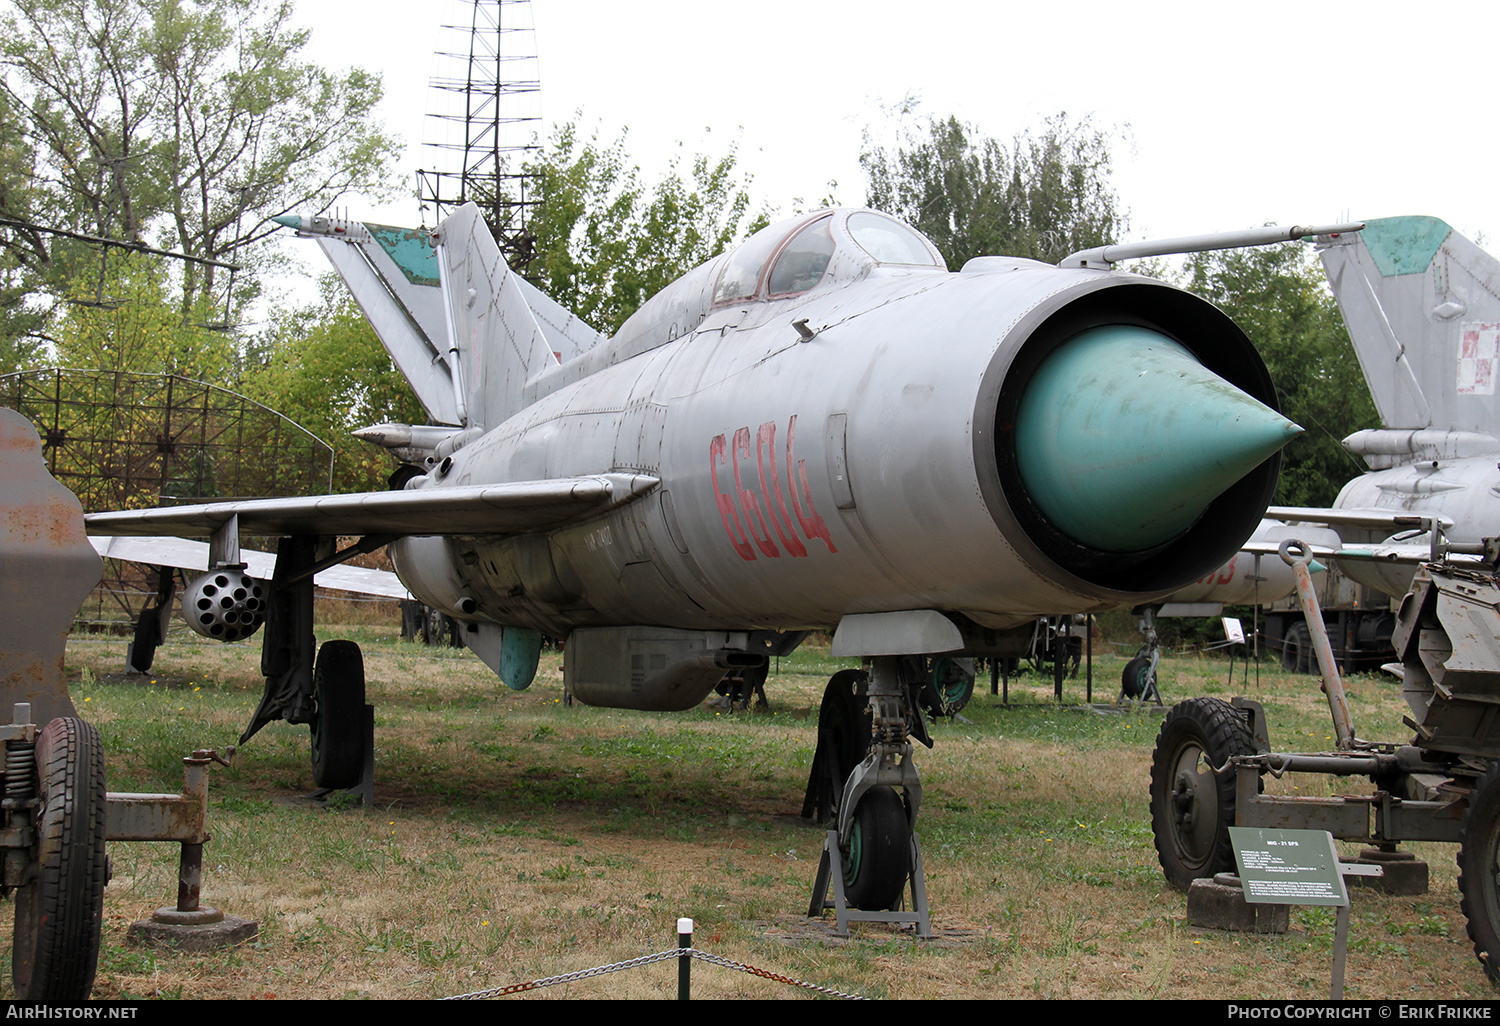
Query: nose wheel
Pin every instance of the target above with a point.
(873, 850)
(877, 859)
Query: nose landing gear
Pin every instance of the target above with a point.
(873, 851)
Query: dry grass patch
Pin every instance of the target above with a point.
(514, 838)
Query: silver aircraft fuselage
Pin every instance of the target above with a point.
(860, 464)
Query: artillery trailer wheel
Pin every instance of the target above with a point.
(59, 914)
(878, 860)
(1479, 869)
(338, 737)
(1191, 808)
(947, 689)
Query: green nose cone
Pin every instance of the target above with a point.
(1123, 438)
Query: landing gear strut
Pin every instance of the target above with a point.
(873, 851)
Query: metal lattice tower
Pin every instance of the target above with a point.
(119, 440)
(488, 84)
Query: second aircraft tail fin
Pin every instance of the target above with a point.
(1422, 304)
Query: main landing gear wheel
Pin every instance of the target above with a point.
(1297, 649)
(947, 689)
(1479, 869)
(59, 914)
(843, 739)
(1192, 808)
(877, 862)
(338, 742)
(1135, 679)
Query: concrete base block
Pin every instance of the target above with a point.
(204, 930)
(1404, 872)
(1220, 906)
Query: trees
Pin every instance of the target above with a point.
(127, 321)
(184, 123)
(605, 242)
(1044, 194)
(1279, 296)
(324, 368)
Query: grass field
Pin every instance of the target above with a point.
(514, 838)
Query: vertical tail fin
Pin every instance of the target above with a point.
(1422, 304)
(465, 331)
(495, 343)
(393, 276)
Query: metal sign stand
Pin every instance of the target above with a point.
(1299, 867)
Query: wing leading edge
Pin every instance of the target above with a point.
(516, 507)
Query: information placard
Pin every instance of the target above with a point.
(1288, 867)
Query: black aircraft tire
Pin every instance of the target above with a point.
(1192, 809)
(338, 743)
(848, 719)
(947, 689)
(1479, 870)
(147, 638)
(878, 861)
(1297, 656)
(1135, 678)
(59, 915)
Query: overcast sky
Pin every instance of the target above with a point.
(1231, 115)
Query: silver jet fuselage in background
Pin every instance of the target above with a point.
(1422, 305)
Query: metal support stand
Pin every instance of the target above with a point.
(364, 791)
(190, 925)
(831, 870)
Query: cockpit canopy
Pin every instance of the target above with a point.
(794, 256)
(818, 250)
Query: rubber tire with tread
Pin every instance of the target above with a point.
(1135, 678)
(948, 699)
(1183, 791)
(1296, 649)
(1479, 870)
(59, 914)
(878, 862)
(338, 742)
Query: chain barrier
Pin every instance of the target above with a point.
(632, 963)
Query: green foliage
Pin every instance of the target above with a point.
(1281, 299)
(126, 320)
(183, 123)
(1044, 194)
(21, 318)
(324, 368)
(606, 242)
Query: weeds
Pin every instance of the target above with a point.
(514, 837)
